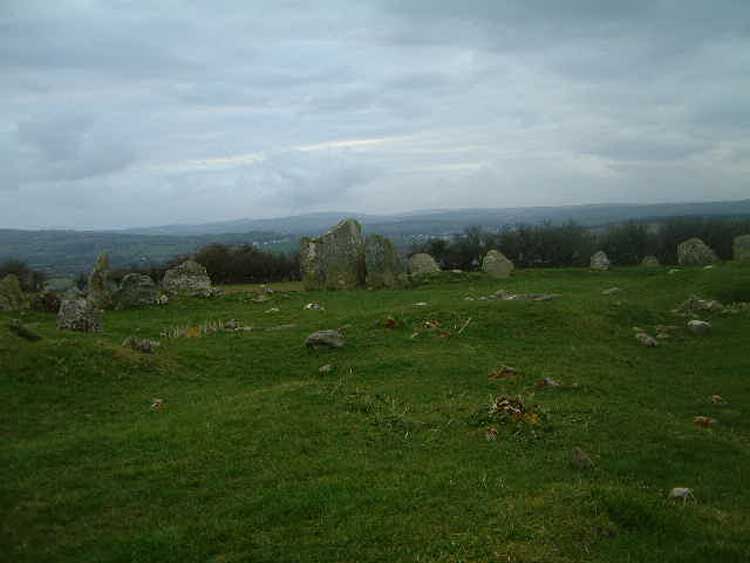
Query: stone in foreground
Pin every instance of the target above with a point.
(580, 459)
(189, 278)
(699, 327)
(600, 261)
(79, 314)
(136, 290)
(335, 260)
(12, 297)
(422, 263)
(695, 252)
(325, 339)
(647, 340)
(382, 262)
(741, 248)
(497, 265)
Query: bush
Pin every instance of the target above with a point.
(31, 280)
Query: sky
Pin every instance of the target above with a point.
(136, 113)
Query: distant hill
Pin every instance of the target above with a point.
(438, 222)
(69, 252)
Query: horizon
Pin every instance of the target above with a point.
(353, 214)
(132, 115)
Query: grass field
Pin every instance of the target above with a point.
(258, 456)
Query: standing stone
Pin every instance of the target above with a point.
(600, 261)
(335, 260)
(650, 262)
(695, 252)
(136, 290)
(99, 288)
(422, 263)
(741, 248)
(382, 262)
(497, 265)
(189, 278)
(79, 314)
(12, 297)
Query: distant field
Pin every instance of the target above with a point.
(258, 456)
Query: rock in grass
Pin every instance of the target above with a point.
(681, 493)
(327, 368)
(580, 459)
(12, 297)
(647, 340)
(600, 261)
(143, 345)
(741, 248)
(189, 278)
(17, 327)
(79, 314)
(325, 339)
(497, 265)
(699, 327)
(422, 263)
(136, 290)
(650, 262)
(695, 252)
(382, 262)
(611, 291)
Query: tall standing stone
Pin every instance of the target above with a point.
(382, 262)
(335, 260)
(497, 265)
(12, 297)
(741, 248)
(422, 263)
(695, 252)
(99, 287)
(600, 261)
(189, 278)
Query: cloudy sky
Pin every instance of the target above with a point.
(133, 113)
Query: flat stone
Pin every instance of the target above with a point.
(325, 339)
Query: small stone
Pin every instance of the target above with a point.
(611, 291)
(232, 324)
(314, 307)
(681, 493)
(699, 327)
(273, 310)
(79, 314)
(490, 434)
(580, 459)
(647, 340)
(674, 271)
(420, 304)
(19, 329)
(157, 404)
(422, 263)
(497, 265)
(600, 261)
(327, 368)
(143, 345)
(695, 252)
(717, 400)
(547, 382)
(163, 299)
(704, 421)
(325, 339)
(650, 262)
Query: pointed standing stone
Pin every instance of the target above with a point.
(382, 262)
(335, 260)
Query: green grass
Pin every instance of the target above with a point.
(256, 456)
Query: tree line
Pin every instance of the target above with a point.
(571, 244)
